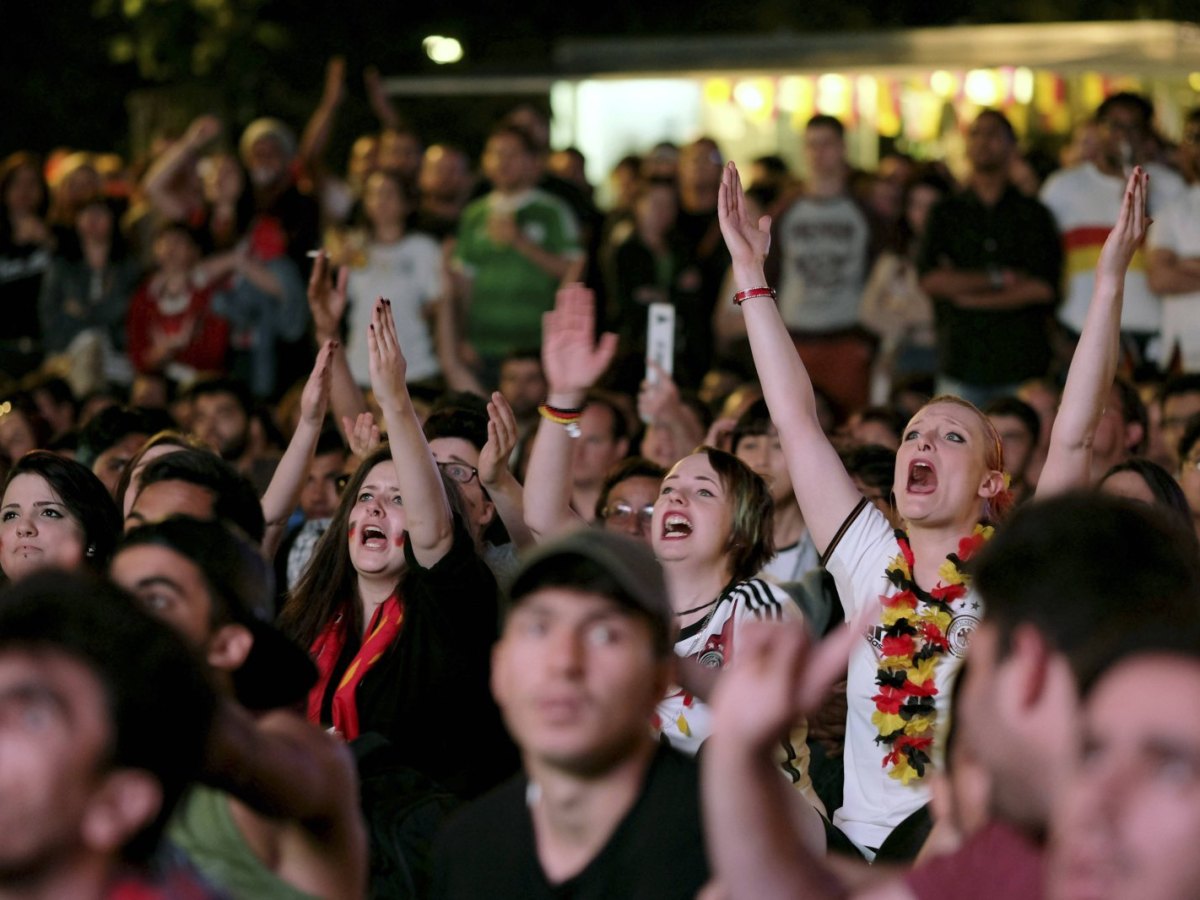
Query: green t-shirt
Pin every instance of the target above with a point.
(508, 292)
(203, 828)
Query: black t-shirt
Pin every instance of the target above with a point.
(699, 246)
(988, 347)
(656, 852)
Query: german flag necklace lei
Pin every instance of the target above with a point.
(914, 628)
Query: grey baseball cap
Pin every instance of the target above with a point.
(629, 562)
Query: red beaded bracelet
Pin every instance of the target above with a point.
(742, 296)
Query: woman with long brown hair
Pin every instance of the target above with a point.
(397, 609)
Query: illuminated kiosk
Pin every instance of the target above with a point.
(754, 92)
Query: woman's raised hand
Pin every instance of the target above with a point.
(502, 438)
(314, 399)
(385, 360)
(1129, 232)
(748, 241)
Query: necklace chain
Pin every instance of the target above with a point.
(697, 640)
(694, 609)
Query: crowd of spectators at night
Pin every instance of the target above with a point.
(358, 540)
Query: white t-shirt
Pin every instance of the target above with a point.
(409, 273)
(685, 721)
(1177, 228)
(1085, 203)
(825, 248)
(873, 802)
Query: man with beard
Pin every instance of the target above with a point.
(221, 409)
(990, 261)
(268, 151)
(1085, 200)
(1174, 258)
(444, 185)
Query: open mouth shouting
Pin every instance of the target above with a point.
(374, 538)
(922, 477)
(676, 526)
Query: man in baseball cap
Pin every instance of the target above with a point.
(583, 658)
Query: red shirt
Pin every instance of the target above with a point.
(204, 335)
(997, 862)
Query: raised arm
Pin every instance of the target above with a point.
(158, 182)
(378, 98)
(426, 509)
(825, 492)
(495, 475)
(315, 139)
(572, 361)
(757, 849)
(1094, 365)
(327, 304)
(447, 335)
(284, 489)
(659, 405)
(287, 768)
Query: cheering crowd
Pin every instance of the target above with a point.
(358, 540)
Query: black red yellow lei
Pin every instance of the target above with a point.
(914, 629)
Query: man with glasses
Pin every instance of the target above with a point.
(1174, 257)
(1085, 201)
(493, 498)
(626, 502)
(603, 442)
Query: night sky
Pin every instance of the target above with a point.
(59, 86)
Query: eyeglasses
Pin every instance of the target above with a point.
(455, 471)
(624, 513)
(460, 472)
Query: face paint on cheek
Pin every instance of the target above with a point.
(353, 531)
(399, 540)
